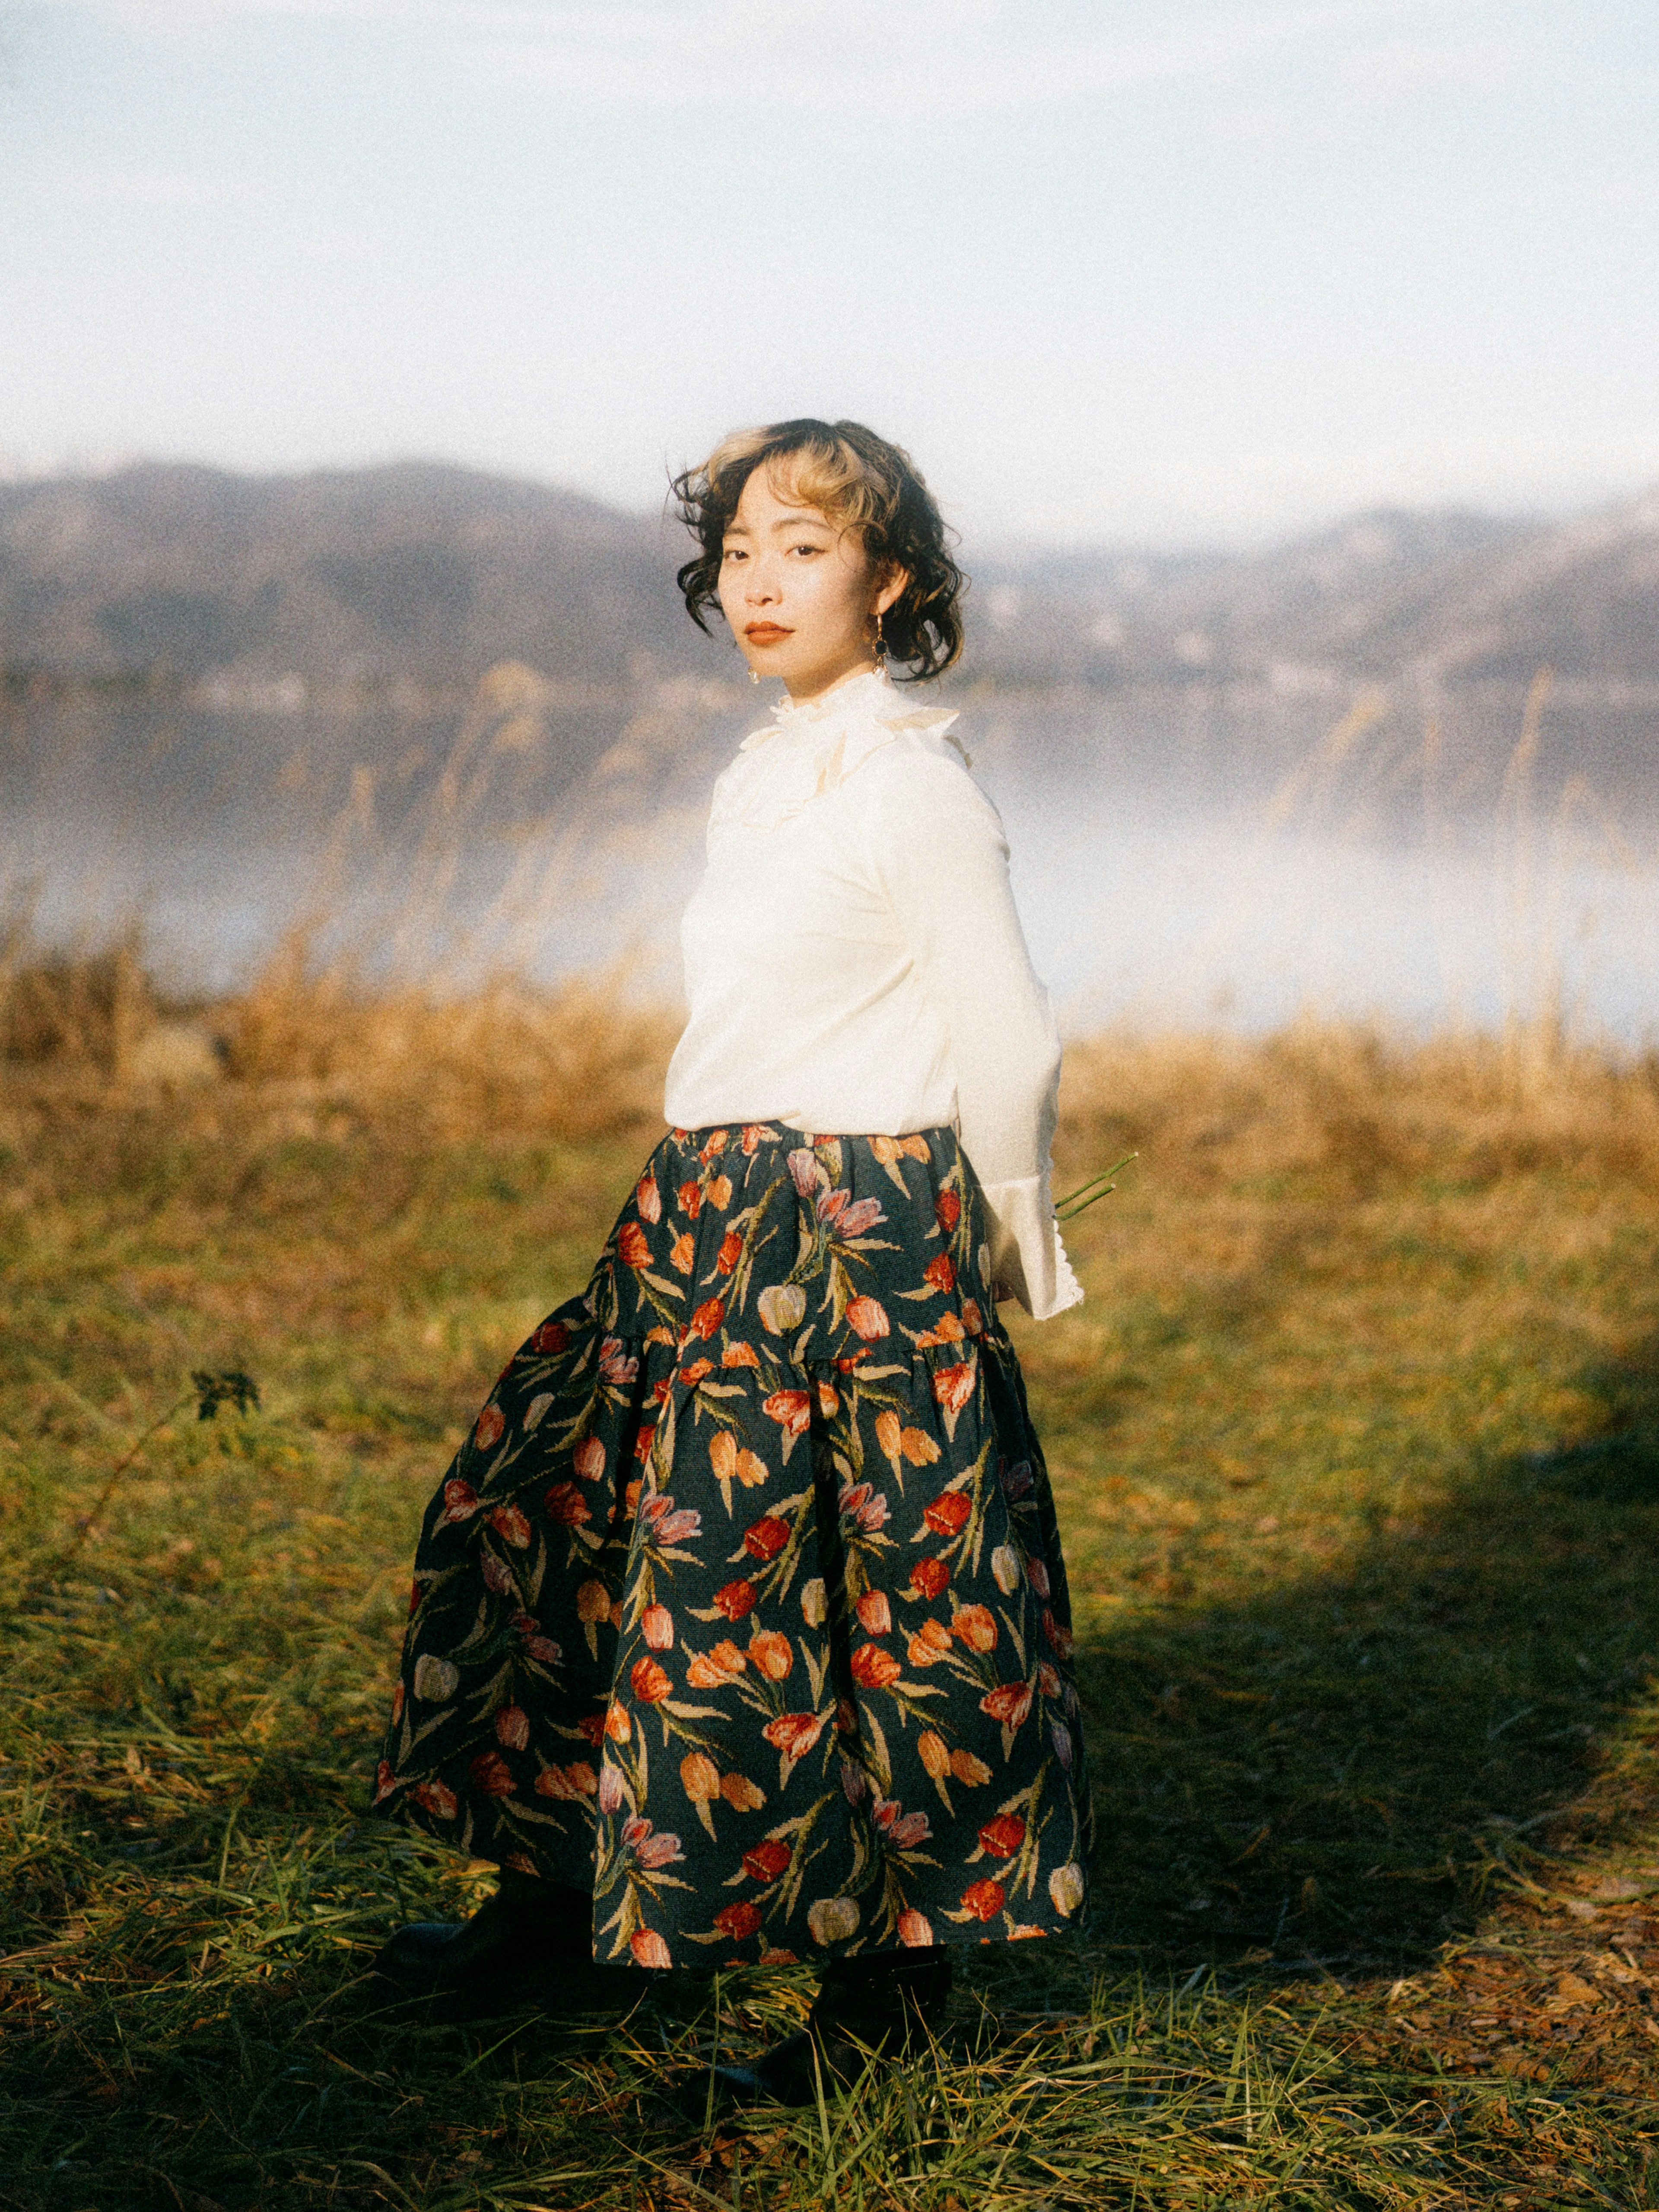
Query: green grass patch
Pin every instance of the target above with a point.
(1359, 1479)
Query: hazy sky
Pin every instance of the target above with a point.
(1155, 269)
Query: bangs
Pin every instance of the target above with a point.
(828, 474)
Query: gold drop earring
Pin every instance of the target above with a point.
(881, 649)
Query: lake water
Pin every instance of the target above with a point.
(1162, 883)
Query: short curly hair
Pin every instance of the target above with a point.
(862, 482)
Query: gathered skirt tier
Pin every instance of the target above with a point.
(742, 1607)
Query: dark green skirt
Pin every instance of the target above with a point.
(743, 1604)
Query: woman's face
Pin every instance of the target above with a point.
(801, 595)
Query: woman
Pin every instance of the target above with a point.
(740, 1628)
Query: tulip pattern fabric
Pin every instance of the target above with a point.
(743, 1604)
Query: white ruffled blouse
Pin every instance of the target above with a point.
(854, 963)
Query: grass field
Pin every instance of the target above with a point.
(1356, 1448)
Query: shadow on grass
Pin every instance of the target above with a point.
(1334, 1772)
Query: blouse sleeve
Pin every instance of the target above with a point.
(937, 846)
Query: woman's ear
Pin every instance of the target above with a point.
(892, 584)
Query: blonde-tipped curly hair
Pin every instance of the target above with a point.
(862, 484)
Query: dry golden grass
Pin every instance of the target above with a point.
(1352, 1104)
(321, 1049)
(503, 1059)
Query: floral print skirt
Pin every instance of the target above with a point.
(742, 1606)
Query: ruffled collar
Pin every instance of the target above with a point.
(811, 746)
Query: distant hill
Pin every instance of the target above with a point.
(428, 574)
(416, 573)
(1582, 596)
(1466, 597)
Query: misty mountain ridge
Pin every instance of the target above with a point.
(416, 573)
(427, 574)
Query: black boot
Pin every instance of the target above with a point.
(892, 2003)
(528, 1931)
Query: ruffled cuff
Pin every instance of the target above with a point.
(1028, 1259)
